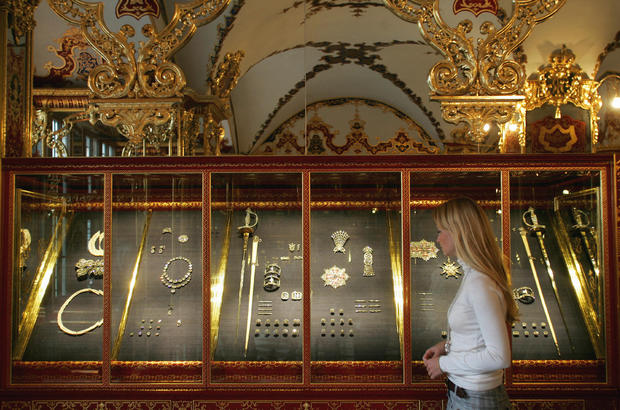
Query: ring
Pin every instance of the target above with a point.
(524, 295)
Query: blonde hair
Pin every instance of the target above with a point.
(476, 245)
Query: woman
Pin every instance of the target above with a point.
(478, 346)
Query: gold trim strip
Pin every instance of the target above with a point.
(132, 285)
(40, 283)
(217, 286)
(397, 281)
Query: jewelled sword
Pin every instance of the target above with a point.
(246, 230)
(538, 230)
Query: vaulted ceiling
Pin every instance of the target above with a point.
(299, 53)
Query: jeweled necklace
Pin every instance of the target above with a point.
(174, 284)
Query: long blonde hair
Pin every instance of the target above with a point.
(476, 245)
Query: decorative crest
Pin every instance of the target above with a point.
(476, 7)
(137, 9)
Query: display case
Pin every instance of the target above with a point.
(227, 274)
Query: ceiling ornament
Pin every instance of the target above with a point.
(137, 9)
(476, 7)
(138, 89)
(338, 54)
(560, 82)
(478, 82)
(320, 136)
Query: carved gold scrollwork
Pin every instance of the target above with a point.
(152, 121)
(151, 73)
(21, 16)
(225, 78)
(562, 81)
(477, 111)
(475, 66)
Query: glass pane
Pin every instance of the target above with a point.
(57, 279)
(256, 277)
(356, 277)
(435, 278)
(557, 269)
(157, 278)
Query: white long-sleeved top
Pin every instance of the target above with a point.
(479, 345)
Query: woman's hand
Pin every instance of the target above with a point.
(435, 351)
(431, 359)
(432, 367)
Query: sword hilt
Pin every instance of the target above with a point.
(532, 224)
(581, 219)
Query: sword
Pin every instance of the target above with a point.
(541, 296)
(581, 225)
(538, 230)
(255, 242)
(246, 230)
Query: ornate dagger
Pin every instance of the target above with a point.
(541, 296)
(581, 224)
(538, 230)
(246, 230)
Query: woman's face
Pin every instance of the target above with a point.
(444, 238)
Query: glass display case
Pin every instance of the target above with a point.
(303, 272)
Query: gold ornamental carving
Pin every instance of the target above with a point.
(476, 67)
(138, 71)
(561, 82)
(477, 112)
(138, 88)
(21, 16)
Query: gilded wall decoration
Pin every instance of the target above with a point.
(71, 42)
(137, 70)
(561, 82)
(21, 17)
(16, 101)
(558, 135)
(473, 67)
(138, 87)
(137, 8)
(323, 136)
(476, 7)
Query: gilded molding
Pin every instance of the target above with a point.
(21, 16)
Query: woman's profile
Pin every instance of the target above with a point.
(478, 347)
